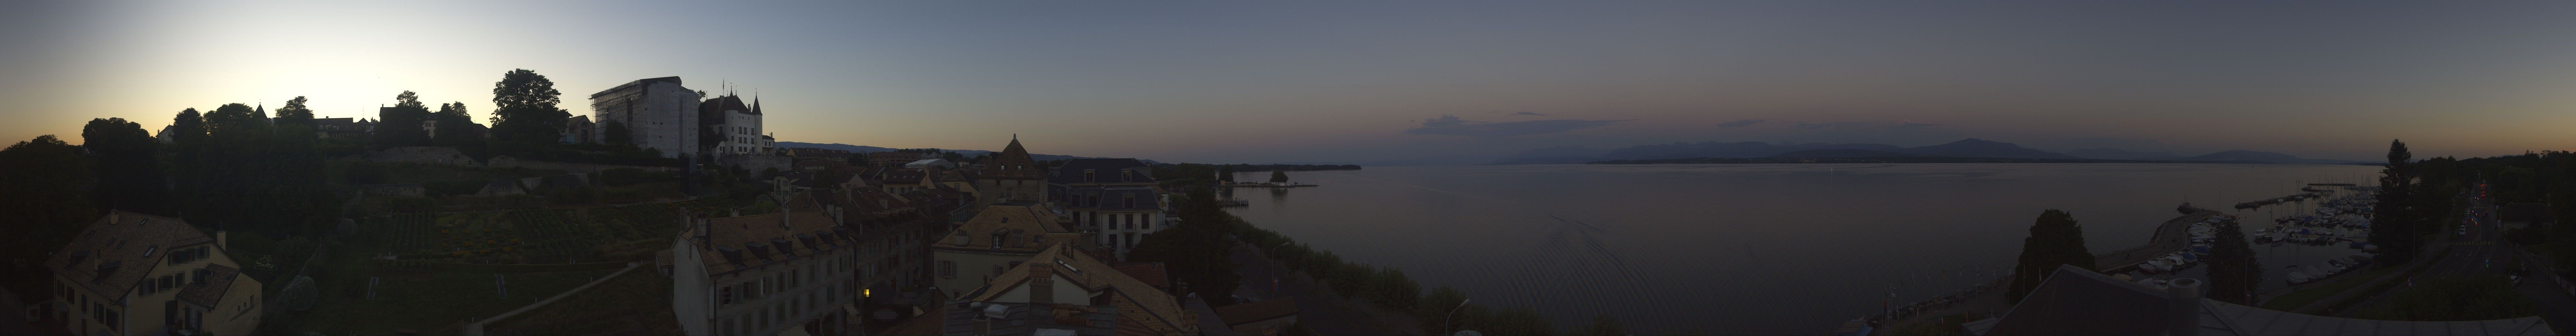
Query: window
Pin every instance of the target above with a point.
(1149, 223)
(724, 295)
(947, 269)
(1130, 202)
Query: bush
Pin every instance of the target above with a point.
(452, 188)
(1390, 288)
(365, 173)
(630, 176)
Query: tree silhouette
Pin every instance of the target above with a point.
(1278, 176)
(2234, 272)
(295, 113)
(2395, 226)
(523, 108)
(2055, 239)
(41, 194)
(126, 163)
(400, 125)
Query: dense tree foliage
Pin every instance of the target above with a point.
(614, 132)
(452, 123)
(2054, 240)
(2394, 226)
(1225, 173)
(126, 160)
(1196, 253)
(295, 113)
(42, 205)
(523, 108)
(399, 125)
(252, 175)
(2234, 272)
(1278, 176)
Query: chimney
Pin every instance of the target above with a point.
(1041, 284)
(706, 240)
(784, 219)
(2185, 308)
(111, 217)
(219, 241)
(736, 212)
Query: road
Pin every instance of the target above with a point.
(2472, 254)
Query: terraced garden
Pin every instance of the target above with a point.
(534, 236)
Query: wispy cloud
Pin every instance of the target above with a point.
(1741, 123)
(1452, 125)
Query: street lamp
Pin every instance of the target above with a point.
(1444, 319)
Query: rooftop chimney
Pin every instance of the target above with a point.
(737, 212)
(1041, 283)
(2185, 308)
(219, 241)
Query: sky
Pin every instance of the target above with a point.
(1420, 82)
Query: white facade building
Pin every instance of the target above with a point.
(735, 126)
(657, 111)
(769, 274)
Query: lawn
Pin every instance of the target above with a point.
(2301, 298)
(622, 305)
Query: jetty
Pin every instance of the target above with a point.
(2332, 184)
(2171, 237)
(1264, 185)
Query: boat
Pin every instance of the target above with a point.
(2297, 277)
(2187, 256)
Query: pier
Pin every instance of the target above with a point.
(2171, 237)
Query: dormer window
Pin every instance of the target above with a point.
(1126, 175)
(1088, 175)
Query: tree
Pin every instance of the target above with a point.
(295, 113)
(523, 108)
(452, 120)
(2056, 239)
(1278, 176)
(400, 125)
(42, 196)
(1225, 173)
(2234, 272)
(616, 133)
(127, 165)
(2394, 227)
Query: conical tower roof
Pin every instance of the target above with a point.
(1013, 163)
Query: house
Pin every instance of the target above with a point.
(2074, 301)
(1113, 199)
(998, 237)
(1011, 176)
(766, 274)
(579, 130)
(137, 274)
(471, 130)
(658, 112)
(1265, 317)
(894, 234)
(892, 159)
(1021, 318)
(1063, 274)
(342, 128)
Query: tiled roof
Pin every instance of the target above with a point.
(1014, 163)
(1019, 225)
(1026, 318)
(1151, 273)
(757, 240)
(1263, 310)
(120, 240)
(1150, 308)
(210, 293)
(1103, 171)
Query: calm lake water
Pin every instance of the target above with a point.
(1746, 249)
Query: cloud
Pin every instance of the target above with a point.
(1741, 123)
(1527, 113)
(1452, 125)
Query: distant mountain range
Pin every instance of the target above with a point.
(1969, 148)
(967, 152)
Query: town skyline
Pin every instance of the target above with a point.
(1377, 83)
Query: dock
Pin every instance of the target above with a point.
(2171, 237)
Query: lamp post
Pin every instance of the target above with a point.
(1444, 319)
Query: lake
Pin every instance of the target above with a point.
(1746, 248)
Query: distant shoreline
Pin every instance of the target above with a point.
(1904, 159)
